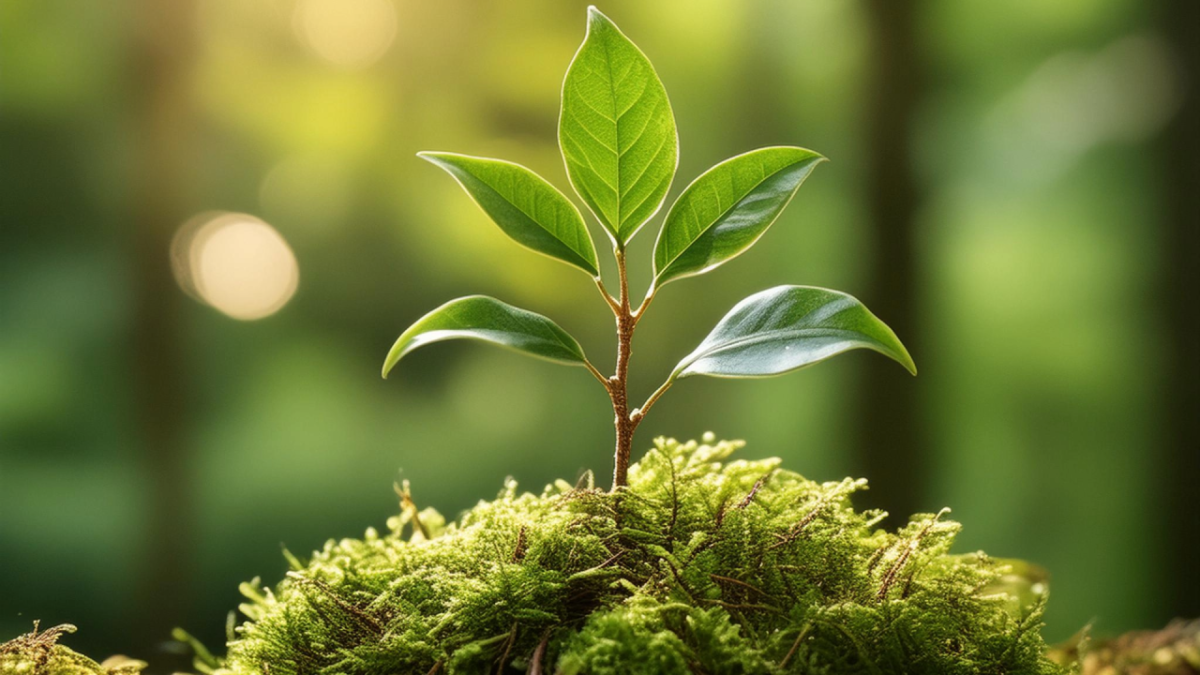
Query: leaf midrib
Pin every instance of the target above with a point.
(766, 336)
(616, 121)
(533, 218)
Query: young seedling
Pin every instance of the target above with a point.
(617, 134)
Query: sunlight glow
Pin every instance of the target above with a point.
(1079, 100)
(235, 263)
(348, 33)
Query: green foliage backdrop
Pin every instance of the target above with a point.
(1037, 249)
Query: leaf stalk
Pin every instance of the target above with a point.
(608, 298)
(641, 412)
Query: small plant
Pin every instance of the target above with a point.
(618, 139)
(694, 562)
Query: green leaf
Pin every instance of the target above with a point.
(616, 130)
(789, 327)
(724, 211)
(479, 317)
(524, 205)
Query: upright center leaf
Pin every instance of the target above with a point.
(616, 130)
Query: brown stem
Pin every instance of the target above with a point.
(795, 645)
(535, 663)
(641, 309)
(617, 389)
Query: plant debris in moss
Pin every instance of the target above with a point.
(39, 653)
(703, 564)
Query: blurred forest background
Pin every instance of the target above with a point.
(1013, 187)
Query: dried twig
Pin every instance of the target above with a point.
(795, 645)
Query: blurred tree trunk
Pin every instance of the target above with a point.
(889, 442)
(163, 56)
(1181, 289)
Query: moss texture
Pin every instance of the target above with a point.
(702, 565)
(39, 653)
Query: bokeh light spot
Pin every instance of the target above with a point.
(348, 33)
(235, 263)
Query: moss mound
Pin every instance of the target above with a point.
(703, 565)
(39, 653)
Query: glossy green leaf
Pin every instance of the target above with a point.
(524, 205)
(789, 327)
(479, 317)
(724, 211)
(616, 130)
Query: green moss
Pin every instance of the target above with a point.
(702, 565)
(39, 653)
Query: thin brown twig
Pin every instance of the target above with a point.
(889, 577)
(738, 605)
(346, 606)
(612, 559)
(535, 662)
(674, 497)
(753, 491)
(679, 580)
(739, 582)
(512, 637)
(798, 529)
(519, 549)
(796, 645)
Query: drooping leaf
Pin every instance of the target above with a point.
(616, 130)
(478, 317)
(724, 211)
(789, 327)
(529, 209)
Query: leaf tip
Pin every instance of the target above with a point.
(905, 359)
(596, 18)
(392, 359)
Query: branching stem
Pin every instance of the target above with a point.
(608, 298)
(618, 384)
(625, 421)
(637, 313)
